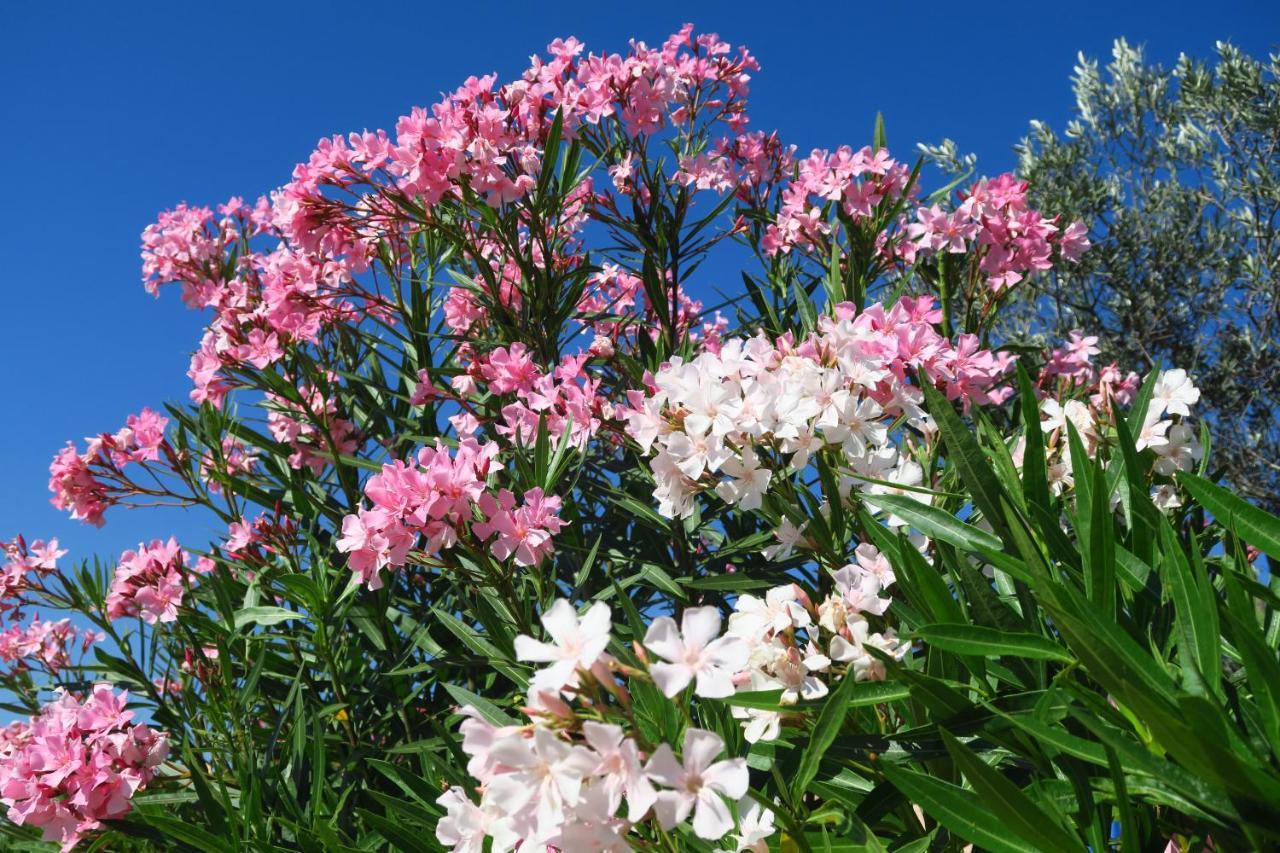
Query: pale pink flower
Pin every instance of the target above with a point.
(575, 643)
(698, 784)
(620, 767)
(694, 652)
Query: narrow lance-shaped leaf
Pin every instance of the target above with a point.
(1255, 526)
(991, 642)
(1019, 812)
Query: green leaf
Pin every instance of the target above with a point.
(824, 734)
(188, 834)
(1011, 804)
(401, 837)
(1099, 550)
(992, 643)
(808, 314)
(1195, 610)
(968, 458)
(264, 616)
(1128, 822)
(935, 523)
(917, 576)
(1255, 526)
(1138, 411)
(1035, 476)
(960, 811)
(1058, 738)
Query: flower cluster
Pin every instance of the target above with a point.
(45, 644)
(77, 764)
(993, 217)
(858, 181)
(566, 398)
(562, 780)
(313, 427)
(86, 483)
(232, 459)
(149, 583)
(780, 642)
(433, 498)
(1074, 391)
(729, 421)
(614, 308)
(837, 633)
(24, 562)
(482, 144)
(263, 302)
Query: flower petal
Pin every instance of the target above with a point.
(671, 678)
(700, 748)
(663, 639)
(699, 626)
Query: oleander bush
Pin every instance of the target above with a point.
(538, 530)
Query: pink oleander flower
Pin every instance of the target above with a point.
(48, 645)
(235, 458)
(525, 532)
(430, 496)
(75, 487)
(1074, 242)
(77, 764)
(424, 391)
(149, 583)
(510, 369)
(375, 540)
(141, 438)
(22, 562)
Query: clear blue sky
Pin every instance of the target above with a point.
(113, 112)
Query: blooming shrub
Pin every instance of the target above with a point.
(520, 545)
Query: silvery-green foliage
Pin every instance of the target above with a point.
(1177, 173)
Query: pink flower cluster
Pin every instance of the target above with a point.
(994, 215)
(1073, 391)
(77, 764)
(1072, 365)
(233, 459)
(567, 398)
(48, 645)
(313, 427)
(857, 181)
(251, 541)
(433, 497)
(992, 219)
(488, 141)
(75, 487)
(87, 483)
(482, 144)
(149, 583)
(263, 302)
(22, 562)
(614, 307)
(184, 245)
(522, 532)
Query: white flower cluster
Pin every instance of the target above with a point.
(781, 642)
(720, 421)
(838, 633)
(561, 781)
(1165, 430)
